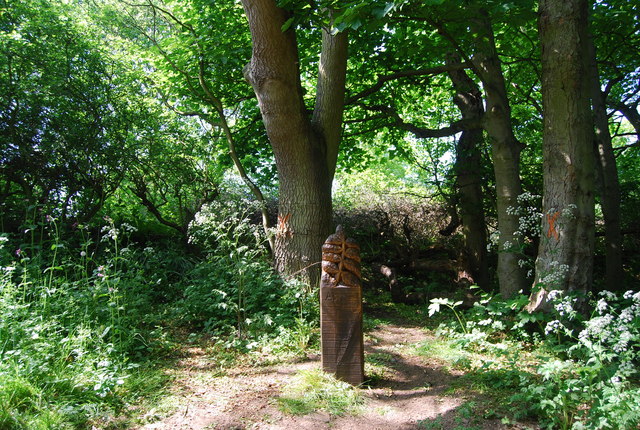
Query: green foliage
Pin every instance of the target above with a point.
(585, 375)
(83, 316)
(435, 307)
(235, 292)
(467, 418)
(71, 320)
(295, 339)
(339, 15)
(116, 108)
(67, 112)
(314, 390)
(596, 386)
(450, 352)
(494, 316)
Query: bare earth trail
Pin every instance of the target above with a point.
(411, 393)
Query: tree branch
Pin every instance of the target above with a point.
(406, 74)
(422, 132)
(140, 191)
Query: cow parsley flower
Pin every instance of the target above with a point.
(553, 327)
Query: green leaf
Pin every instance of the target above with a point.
(434, 307)
(105, 331)
(287, 24)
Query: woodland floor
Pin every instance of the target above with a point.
(413, 393)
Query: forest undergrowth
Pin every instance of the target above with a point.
(90, 315)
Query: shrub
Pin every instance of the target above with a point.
(596, 386)
(587, 377)
(235, 292)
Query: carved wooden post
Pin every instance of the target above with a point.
(341, 309)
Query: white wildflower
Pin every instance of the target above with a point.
(626, 368)
(553, 327)
(128, 228)
(584, 338)
(111, 233)
(627, 315)
(623, 342)
(600, 326)
(608, 295)
(564, 307)
(554, 294)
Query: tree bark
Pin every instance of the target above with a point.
(565, 256)
(330, 96)
(505, 149)
(305, 151)
(607, 178)
(468, 98)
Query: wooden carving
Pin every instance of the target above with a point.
(341, 309)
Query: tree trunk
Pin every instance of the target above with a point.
(505, 150)
(565, 256)
(467, 166)
(608, 183)
(305, 151)
(330, 95)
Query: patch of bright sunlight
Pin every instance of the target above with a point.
(314, 390)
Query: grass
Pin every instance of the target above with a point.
(377, 367)
(315, 390)
(489, 375)
(447, 352)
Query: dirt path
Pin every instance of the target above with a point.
(410, 393)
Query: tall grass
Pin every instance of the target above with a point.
(69, 326)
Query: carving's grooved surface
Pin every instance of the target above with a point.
(341, 309)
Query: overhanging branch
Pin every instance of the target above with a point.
(423, 132)
(406, 74)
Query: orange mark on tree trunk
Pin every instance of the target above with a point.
(551, 219)
(283, 225)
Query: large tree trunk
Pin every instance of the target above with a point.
(467, 166)
(505, 150)
(305, 151)
(565, 257)
(608, 183)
